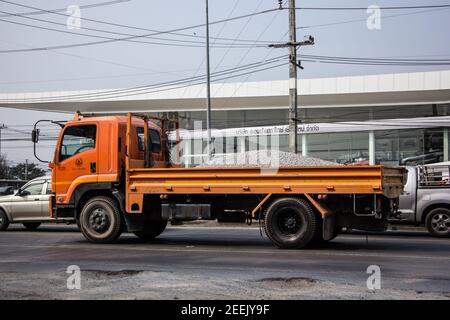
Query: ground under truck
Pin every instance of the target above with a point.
(113, 173)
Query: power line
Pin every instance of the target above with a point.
(265, 57)
(249, 49)
(226, 52)
(218, 34)
(182, 84)
(89, 78)
(41, 11)
(365, 19)
(123, 25)
(377, 63)
(306, 58)
(98, 30)
(101, 60)
(139, 89)
(382, 8)
(111, 40)
(129, 38)
(375, 59)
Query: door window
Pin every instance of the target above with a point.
(153, 138)
(77, 139)
(34, 189)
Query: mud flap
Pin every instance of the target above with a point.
(329, 222)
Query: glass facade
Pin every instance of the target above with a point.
(345, 134)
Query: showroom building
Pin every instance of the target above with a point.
(376, 119)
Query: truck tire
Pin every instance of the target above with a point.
(438, 222)
(152, 230)
(290, 223)
(101, 220)
(4, 221)
(31, 225)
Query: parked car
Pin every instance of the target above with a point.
(426, 199)
(432, 156)
(29, 205)
(5, 191)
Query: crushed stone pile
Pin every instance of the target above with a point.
(265, 158)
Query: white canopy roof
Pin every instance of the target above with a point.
(354, 91)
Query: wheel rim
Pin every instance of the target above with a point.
(441, 223)
(289, 223)
(99, 221)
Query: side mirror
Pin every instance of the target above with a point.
(24, 193)
(35, 135)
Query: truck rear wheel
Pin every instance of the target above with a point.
(101, 220)
(4, 221)
(290, 223)
(438, 222)
(152, 230)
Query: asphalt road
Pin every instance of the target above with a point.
(220, 263)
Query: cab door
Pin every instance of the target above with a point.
(76, 158)
(27, 203)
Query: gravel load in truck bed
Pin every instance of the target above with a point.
(265, 158)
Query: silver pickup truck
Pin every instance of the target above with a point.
(426, 199)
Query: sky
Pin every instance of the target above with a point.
(419, 33)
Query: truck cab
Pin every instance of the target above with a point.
(90, 156)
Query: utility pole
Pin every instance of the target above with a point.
(208, 88)
(293, 64)
(2, 126)
(292, 141)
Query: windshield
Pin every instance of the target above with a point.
(77, 139)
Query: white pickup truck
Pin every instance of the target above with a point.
(426, 199)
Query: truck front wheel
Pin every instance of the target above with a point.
(101, 220)
(438, 222)
(151, 230)
(290, 223)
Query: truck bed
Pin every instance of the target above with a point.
(285, 180)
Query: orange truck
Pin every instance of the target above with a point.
(113, 173)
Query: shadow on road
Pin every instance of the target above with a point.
(341, 243)
(42, 229)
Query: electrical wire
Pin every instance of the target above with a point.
(365, 19)
(213, 41)
(114, 63)
(248, 51)
(41, 11)
(111, 40)
(381, 8)
(304, 58)
(126, 26)
(201, 81)
(225, 54)
(141, 89)
(105, 31)
(374, 61)
(129, 38)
